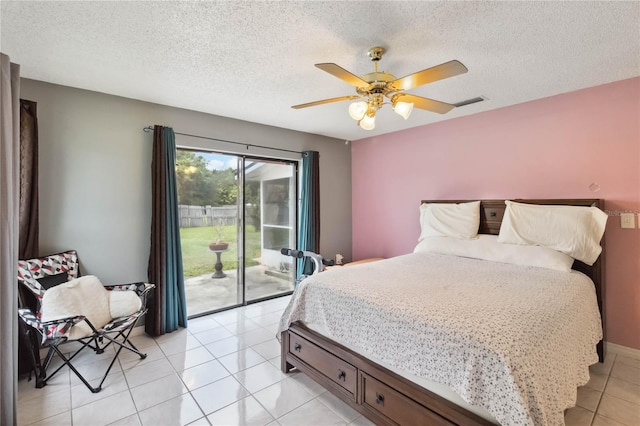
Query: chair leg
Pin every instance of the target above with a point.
(41, 380)
(53, 350)
(95, 343)
(130, 344)
(121, 345)
(99, 348)
(126, 343)
(67, 361)
(30, 340)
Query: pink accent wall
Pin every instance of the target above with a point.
(549, 148)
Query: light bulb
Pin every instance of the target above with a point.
(403, 109)
(368, 122)
(357, 110)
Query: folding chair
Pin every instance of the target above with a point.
(35, 277)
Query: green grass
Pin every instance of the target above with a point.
(197, 259)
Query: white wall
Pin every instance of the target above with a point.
(95, 174)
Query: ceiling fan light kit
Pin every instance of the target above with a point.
(378, 85)
(368, 122)
(403, 109)
(357, 110)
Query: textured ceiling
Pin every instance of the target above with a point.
(253, 60)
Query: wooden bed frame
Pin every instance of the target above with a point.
(383, 396)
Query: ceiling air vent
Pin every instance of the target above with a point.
(470, 101)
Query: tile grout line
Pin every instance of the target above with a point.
(230, 375)
(595, 411)
(189, 391)
(181, 379)
(129, 390)
(612, 396)
(251, 394)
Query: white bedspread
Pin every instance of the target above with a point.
(516, 341)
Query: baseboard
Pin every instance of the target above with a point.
(622, 350)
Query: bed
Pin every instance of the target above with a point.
(363, 334)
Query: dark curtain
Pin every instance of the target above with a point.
(9, 212)
(28, 217)
(168, 309)
(309, 223)
(28, 205)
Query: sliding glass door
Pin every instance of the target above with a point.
(270, 217)
(236, 213)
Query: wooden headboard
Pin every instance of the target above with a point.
(491, 213)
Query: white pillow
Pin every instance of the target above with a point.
(487, 247)
(81, 296)
(460, 220)
(123, 303)
(573, 230)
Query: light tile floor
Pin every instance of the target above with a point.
(225, 370)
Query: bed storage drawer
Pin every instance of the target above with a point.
(334, 368)
(395, 406)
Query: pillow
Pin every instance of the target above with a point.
(460, 220)
(487, 247)
(123, 303)
(49, 281)
(573, 230)
(81, 296)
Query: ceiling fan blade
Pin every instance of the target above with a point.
(446, 70)
(426, 103)
(342, 74)
(326, 101)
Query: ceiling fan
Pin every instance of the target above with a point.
(378, 85)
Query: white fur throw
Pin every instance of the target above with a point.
(124, 303)
(81, 296)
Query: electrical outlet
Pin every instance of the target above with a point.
(627, 220)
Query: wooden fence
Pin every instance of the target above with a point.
(193, 216)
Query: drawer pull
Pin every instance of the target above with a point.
(379, 399)
(342, 375)
(297, 347)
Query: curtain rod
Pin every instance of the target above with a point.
(150, 129)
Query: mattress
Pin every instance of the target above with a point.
(513, 341)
